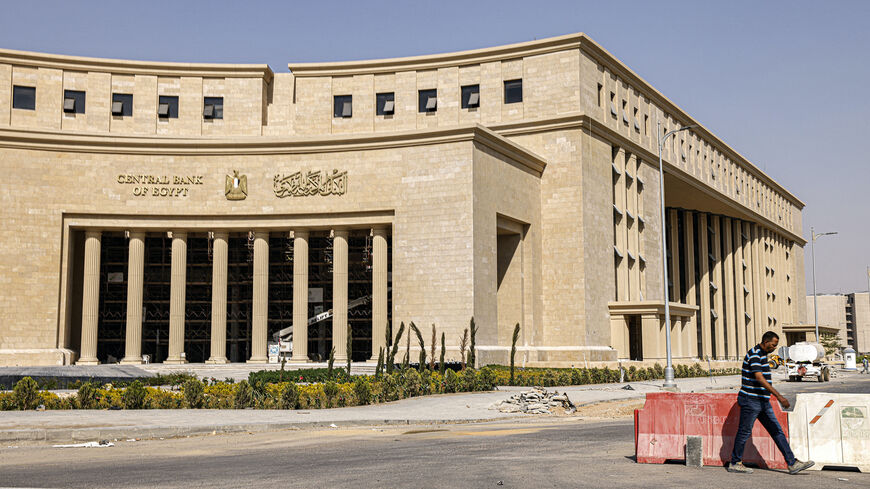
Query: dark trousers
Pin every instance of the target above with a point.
(752, 408)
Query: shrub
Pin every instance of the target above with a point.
(87, 396)
(219, 395)
(289, 398)
(362, 390)
(411, 383)
(312, 375)
(134, 396)
(26, 394)
(390, 387)
(193, 393)
(163, 399)
(484, 380)
(330, 390)
(244, 395)
(451, 381)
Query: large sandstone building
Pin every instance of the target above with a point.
(190, 212)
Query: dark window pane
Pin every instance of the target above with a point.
(470, 96)
(217, 104)
(428, 100)
(342, 106)
(513, 91)
(24, 98)
(126, 101)
(74, 101)
(167, 107)
(381, 105)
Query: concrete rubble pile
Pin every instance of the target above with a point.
(535, 401)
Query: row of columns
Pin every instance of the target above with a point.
(259, 325)
(743, 283)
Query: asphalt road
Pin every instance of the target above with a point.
(545, 452)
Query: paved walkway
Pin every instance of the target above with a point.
(92, 425)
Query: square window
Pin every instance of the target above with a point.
(24, 98)
(385, 103)
(167, 107)
(427, 100)
(74, 101)
(342, 106)
(470, 96)
(122, 104)
(213, 107)
(513, 91)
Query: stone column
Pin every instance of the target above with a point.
(750, 283)
(730, 295)
(674, 260)
(177, 298)
(259, 326)
(618, 336)
(705, 281)
(379, 290)
(300, 296)
(740, 287)
(719, 322)
(758, 285)
(653, 336)
(90, 299)
(691, 284)
(219, 299)
(339, 294)
(135, 279)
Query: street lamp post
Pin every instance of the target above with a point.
(815, 297)
(669, 369)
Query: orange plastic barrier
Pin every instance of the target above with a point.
(661, 427)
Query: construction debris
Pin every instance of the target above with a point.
(90, 444)
(536, 401)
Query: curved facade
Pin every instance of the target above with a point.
(193, 212)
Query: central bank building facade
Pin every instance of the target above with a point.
(197, 212)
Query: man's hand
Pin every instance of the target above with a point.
(784, 402)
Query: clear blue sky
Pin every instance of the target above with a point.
(786, 83)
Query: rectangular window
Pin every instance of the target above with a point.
(342, 106)
(213, 107)
(470, 96)
(74, 101)
(167, 107)
(513, 91)
(24, 98)
(122, 104)
(427, 100)
(600, 95)
(385, 103)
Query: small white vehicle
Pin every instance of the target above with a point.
(807, 359)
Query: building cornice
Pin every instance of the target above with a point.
(435, 61)
(153, 68)
(116, 144)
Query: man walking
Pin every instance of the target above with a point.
(866, 365)
(754, 402)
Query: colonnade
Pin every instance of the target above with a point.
(738, 273)
(259, 340)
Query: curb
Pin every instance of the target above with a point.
(122, 433)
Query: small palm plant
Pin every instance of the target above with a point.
(463, 344)
(419, 336)
(442, 365)
(472, 351)
(432, 356)
(516, 336)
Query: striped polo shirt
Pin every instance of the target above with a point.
(755, 361)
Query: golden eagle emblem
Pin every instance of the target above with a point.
(236, 187)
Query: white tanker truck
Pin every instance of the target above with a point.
(807, 359)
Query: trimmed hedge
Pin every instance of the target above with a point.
(258, 394)
(550, 377)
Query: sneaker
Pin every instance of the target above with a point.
(798, 466)
(739, 468)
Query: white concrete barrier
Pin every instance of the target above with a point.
(831, 429)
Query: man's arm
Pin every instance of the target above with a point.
(764, 383)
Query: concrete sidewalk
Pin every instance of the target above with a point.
(93, 425)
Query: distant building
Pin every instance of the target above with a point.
(848, 314)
